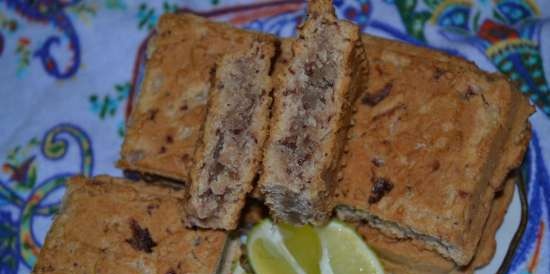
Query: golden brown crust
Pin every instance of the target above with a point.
(314, 90)
(379, 44)
(487, 243)
(432, 148)
(230, 150)
(408, 256)
(164, 126)
(110, 225)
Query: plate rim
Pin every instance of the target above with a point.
(524, 219)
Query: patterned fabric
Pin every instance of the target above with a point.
(69, 68)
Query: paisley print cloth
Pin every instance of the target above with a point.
(69, 68)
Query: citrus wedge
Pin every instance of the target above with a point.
(267, 251)
(286, 249)
(344, 251)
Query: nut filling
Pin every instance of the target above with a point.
(312, 97)
(311, 115)
(234, 133)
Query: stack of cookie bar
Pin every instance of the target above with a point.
(413, 147)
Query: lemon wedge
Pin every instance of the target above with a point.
(345, 252)
(268, 253)
(286, 249)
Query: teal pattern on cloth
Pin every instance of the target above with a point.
(70, 67)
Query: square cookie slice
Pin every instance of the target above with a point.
(426, 156)
(409, 256)
(230, 150)
(109, 225)
(165, 123)
(310, 118)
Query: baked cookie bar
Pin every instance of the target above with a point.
(235, 130)
(310, 117)
(409, 256)
(109, 225)
(164, 126)
(426, 156)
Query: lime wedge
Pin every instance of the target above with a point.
(304, 245)
(345, 252)
(267, 251)
(333, 249)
